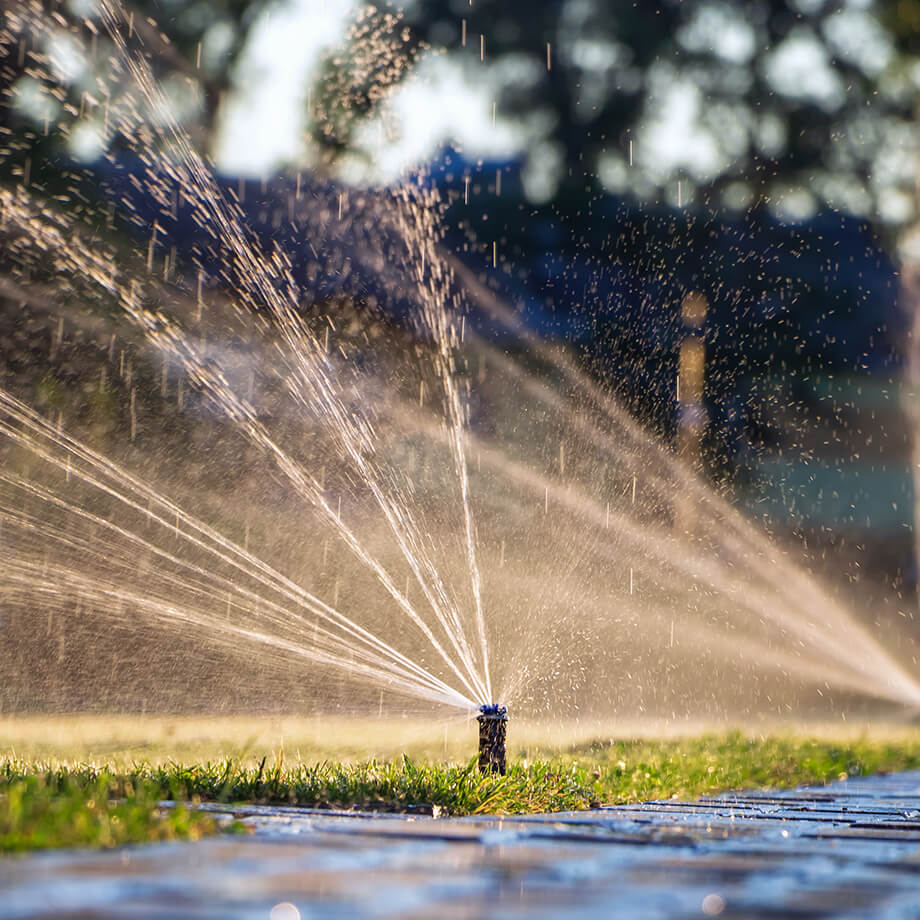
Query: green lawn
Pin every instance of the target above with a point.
(41, 808)
(50, 806)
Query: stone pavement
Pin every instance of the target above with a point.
(851, 849)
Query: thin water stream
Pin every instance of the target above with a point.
(449, 524)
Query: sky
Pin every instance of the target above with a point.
(265, 117)
(264, 122)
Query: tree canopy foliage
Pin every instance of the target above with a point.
(780, 103)
(801, 100)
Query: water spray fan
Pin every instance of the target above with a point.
(493, 724)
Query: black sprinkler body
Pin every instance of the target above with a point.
(493, 723)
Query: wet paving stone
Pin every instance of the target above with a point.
(850, 850)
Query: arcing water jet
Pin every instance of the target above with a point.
(598, 579)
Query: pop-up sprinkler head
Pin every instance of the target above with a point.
(493, 722)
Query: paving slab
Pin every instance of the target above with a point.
(850, 849)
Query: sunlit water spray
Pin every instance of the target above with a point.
(527, 555)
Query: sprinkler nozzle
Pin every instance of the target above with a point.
(493, 722)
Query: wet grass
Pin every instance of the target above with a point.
(85, 807)
(43, 806)
(689, 768)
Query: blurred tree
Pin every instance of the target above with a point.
(781, 103)
(199, 39)
(195, 48)
(778, 103)
(354, 80)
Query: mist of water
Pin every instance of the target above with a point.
(499, 528)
